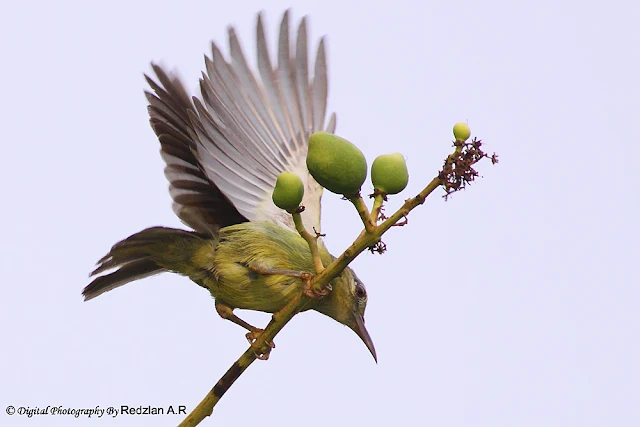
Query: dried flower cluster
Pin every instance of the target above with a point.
(458, 171)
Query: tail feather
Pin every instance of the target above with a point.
(127, 273)
(151, 251)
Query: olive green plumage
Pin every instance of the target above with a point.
(263, 245)
(222, 264)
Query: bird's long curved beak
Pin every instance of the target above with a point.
(359, 329)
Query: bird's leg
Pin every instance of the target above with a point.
(305, 276)
(226, 312)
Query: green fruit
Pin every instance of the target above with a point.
(461, 131)
(288, 191)
(337, 165)
(389, 173)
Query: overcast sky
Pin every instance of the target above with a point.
(516, 303)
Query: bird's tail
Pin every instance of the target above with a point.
(150, 252)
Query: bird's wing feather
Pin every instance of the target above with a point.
(196, 200)
(251, 128)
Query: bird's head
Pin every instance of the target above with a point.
(346, 304)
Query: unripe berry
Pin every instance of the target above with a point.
(461, 131)
(288, 192)
(337, 165)
(389, 173)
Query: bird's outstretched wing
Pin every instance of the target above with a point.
(224, 156)
(196, 200)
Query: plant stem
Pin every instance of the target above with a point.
(363, 211)
(278, 321)
(311, 240)
(367, 238)
(377, 205)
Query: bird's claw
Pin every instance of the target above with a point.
(261, 353)
(313, 293)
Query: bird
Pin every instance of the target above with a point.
(223, 153)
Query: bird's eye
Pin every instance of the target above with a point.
(360, 291)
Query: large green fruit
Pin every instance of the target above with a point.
(389, 173)
(337, 165)
(288, 191)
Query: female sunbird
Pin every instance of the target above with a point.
(223, 154)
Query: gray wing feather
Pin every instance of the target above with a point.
(250, 128)
(196, 199)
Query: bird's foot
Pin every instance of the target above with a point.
(261, 353)
(313, 293)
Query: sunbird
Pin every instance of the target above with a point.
(223, 154)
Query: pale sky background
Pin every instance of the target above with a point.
(517, 303)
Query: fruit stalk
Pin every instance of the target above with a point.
(312, 241)
(363, 211)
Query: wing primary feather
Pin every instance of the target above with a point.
(268, 77)
(285, 79)
(331, 127)
(250, 129)
(263, 124)
(247, 127)
(301, 64)
(319, 88)
(169, 107)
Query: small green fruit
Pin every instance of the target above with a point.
(389, 173)
(288, 191)
(337, 165)
(461, 131)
